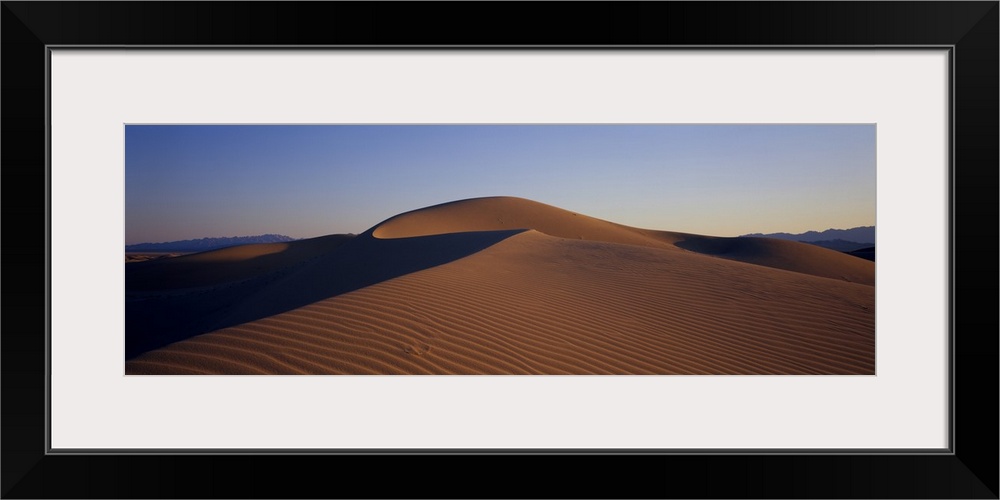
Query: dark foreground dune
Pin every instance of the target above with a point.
(504, 286)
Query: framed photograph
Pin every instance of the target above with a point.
(679, 254)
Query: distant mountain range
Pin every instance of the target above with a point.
(843, 240)
(861, 233)
(206, 244)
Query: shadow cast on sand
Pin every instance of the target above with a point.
(215, 267)
(155, 319)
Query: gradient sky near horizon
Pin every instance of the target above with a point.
(195, 181)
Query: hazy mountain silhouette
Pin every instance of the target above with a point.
(205, 244)
(861, 234)
(842, 240)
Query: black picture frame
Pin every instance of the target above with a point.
(970, 29)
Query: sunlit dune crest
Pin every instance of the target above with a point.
(504, 285)
(504, 213)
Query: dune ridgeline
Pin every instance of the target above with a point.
(503, 286)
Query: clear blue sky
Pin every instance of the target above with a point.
(186, 182)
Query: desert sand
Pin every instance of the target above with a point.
(504, 285)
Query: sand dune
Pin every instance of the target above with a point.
(497, 213)
(510, 286)
(226, 264)
(787, 255)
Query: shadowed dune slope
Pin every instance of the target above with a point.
(531, 303)
(225, 265)
(154, 318)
